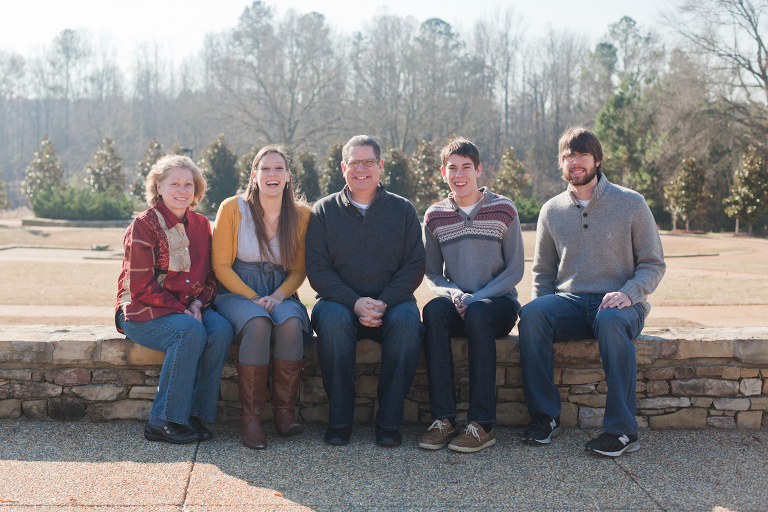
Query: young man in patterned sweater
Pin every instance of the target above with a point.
(474, 261)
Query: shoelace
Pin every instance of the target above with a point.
(471, 429)
(438, 425)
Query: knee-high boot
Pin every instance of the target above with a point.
(252, 385)
(285, 391)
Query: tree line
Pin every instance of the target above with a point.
(681, 114)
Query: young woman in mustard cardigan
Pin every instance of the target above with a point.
(258, 257)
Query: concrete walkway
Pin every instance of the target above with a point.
(46, 466)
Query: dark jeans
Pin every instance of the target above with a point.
(484, 321)
(338, 331)
(568, 317)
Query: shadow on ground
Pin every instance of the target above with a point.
(74, 466)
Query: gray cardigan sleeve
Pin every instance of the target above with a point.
(648, 255)
(436, 280)
(545, 261)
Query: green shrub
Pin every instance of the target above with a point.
(528, 209)
(81, 204)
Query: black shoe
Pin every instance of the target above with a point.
(169, 432)
(338, 436)
(388, 438)
(195, 424)
(542, 429)
(613, 445)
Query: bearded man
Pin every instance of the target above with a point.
(598, 256)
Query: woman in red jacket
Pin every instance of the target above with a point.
(164, 296)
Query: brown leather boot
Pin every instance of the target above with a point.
(252, 384)
(285, 391)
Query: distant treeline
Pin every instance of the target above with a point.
(656, 100)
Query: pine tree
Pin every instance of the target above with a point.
(749, 193)
(428, 184)
(176, 149)
(44, 171)
(105, 175)
(152, 154)
(4, 202)
(219, 166)
(332, 179)
(307, 177)
(510, 179)
(245, 165)
(685, 191)
(397, 173)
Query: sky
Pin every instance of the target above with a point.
(180, 27)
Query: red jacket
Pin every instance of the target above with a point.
(167, 264)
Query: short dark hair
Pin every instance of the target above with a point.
(462, 147)
(360, 140)
(578, 139)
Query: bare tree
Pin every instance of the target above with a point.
(281, 81)
(733, 33)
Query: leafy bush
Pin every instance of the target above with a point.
(528, 209)
(80, 204)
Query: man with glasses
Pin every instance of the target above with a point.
(365, 258)
(598, 256)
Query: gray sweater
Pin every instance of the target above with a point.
(379, 255)
(475, 256)
(611, 245)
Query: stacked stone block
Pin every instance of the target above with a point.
(687, 378)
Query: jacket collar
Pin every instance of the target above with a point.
(170, 218)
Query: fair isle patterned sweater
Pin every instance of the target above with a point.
(475, 256)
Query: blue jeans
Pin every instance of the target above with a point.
(484, 321)
(188, 344)
(567, 317)
(338, 331)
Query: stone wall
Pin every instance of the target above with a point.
(687, 378)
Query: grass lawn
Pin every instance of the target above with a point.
(56, 283)
(62, 236)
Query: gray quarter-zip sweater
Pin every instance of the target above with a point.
(611, 245)
(378, 255)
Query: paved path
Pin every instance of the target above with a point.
(47, 466)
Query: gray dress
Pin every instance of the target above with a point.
(263, 277)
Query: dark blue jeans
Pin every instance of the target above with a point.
(567, 317)
(483, 322)
(195, 353)
(338, 331)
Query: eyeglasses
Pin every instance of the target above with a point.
(353, 164)
(574, 156)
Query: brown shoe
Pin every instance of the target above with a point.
(473, 439)
(285, 391)
(438, 435)
(252, 385)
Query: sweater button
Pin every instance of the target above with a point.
(585, 226)
(584, 214)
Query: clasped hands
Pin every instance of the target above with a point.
(370, 311)
(270, 302)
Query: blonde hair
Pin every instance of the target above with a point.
(288, 223)
(162, 169)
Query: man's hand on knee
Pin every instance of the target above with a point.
(369, 311)
(618, 300)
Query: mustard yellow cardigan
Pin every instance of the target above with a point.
(224, 251)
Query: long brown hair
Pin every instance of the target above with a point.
(288, 221)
